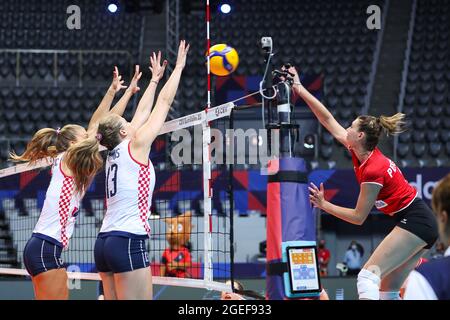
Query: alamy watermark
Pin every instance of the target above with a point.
(74, 282)
(74, 19)
(229, 147)
(373, 22)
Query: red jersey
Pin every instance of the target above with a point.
(324, 255)
(182, 256)
(396, 193)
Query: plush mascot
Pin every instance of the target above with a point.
(176, 259)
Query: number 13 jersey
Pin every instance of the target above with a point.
(129, 187)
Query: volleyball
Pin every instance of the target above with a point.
(223, 59)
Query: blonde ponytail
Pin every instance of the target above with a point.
(373, 127)
(48, 142)
(84, 161)
(42, 145)
(393, 125)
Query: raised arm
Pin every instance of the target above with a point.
(150, 130)
(121, 105)
(105, 104)
(366, 201)
(321, 112)
(144, 107)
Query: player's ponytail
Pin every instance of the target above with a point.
(42, 145)
(393, 125)
(374, 126)
(84, 161)
(48, 142)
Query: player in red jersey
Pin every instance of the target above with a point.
(381, 184)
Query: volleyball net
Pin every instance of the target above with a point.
(191, 219)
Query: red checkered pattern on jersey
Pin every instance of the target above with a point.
(64, 206)
(143, 194)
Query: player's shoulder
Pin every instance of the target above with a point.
(379, 156)
(377, 161)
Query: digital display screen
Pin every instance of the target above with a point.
(303, 269)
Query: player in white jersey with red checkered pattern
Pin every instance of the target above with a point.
(60, 198)
(129, 189)
(42, 253)
(120, 250)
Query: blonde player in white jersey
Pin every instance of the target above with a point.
(120, 250)
(42, 254)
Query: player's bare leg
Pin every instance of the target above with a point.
(396, 249)
(134, 285)
(109, 288)
(51, 285)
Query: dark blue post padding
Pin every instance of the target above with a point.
(289, 217)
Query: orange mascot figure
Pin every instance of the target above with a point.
(176, 259)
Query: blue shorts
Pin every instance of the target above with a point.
(120, 253)
(41, 254)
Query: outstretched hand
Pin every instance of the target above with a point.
(156, 67)
(133, 87)
(183, 50)
(117, 82)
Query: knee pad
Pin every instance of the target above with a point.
(368, 284)
(390, 295)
